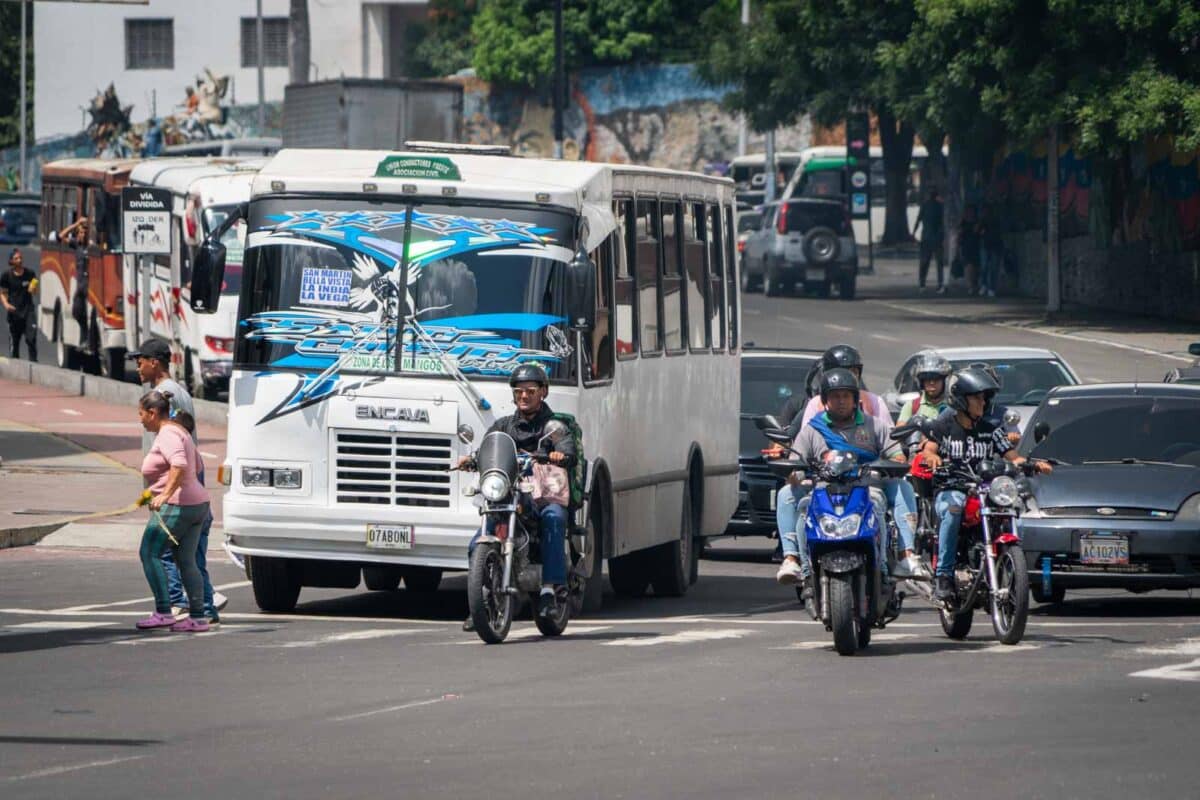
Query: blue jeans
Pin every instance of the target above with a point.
(989, 261)
(175, 586)
(553, 522)
(903, 502)
(948, 505)
(787, 514)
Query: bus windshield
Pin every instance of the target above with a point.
(322, 285)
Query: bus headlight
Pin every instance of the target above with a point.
(288, 478)
(257, 477)
(494, 487)
(1003, 492)
(843, 528)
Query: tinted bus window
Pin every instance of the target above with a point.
(694, 275)
(625, 289)
(674, 314)
(600, 347)
(649, 242)
(731, 288)
(716, 277)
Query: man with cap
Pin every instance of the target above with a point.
(17, 286)
(154, 368)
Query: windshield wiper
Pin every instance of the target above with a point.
(342, 359)
(1136, 461)
(450, 365)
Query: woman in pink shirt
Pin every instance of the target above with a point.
(170, 469)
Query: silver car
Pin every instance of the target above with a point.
(802, 242)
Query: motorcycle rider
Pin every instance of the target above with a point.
(530, 385)
(844, 426)
(994, 411)
(932, 371)
(967, 436)
(843, 356)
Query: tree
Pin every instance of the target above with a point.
(298, 42)
(821, 58)
(443, 45)
(10, 64)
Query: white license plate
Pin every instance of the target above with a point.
(1104, 548)
(390, 537)
(774, 492)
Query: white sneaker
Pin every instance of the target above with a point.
(789, 573)
(180, 611)
(910, 567)
(219, 601)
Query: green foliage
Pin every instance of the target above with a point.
(10, 66)
(443, 45)
(515, 38)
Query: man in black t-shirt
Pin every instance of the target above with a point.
(966, 437)
(17, 286)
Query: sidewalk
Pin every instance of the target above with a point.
(70, 474)
(1167, 338)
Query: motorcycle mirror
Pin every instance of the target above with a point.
(1012, 417)
(554, 430)
(902, 432)
(581, 292)
(1041, 431)
(778, 436)
(767, 422)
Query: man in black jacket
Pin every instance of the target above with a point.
(530, 385)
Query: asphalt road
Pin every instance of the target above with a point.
(730, 692)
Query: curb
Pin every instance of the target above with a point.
(103, 389)
(22, 537)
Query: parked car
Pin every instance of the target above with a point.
(769, 378)
(1183, 375)
(19, 215)
(802, 241)
(1122, 507)
(1027, 374)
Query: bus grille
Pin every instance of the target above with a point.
(392, 469)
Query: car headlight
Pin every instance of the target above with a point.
(494, 487)
(844, 528)
(1003, 491)
(289, 478)
(257, 477)
(1190, 510)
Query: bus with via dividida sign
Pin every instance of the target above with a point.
(387, 296)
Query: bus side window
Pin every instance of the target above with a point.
(625, 288)
(674, 321)
(648, 241)
(600, 347)
(731, 287)
(697, 283)
(716, 278)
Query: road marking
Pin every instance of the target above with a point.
(72, 412)
(1075, 337)
(208, 455)
(752, 312)
(534, 633)
(841, 328)
(796, 320)
(350, 636)
(45, 773)
(401, 707)
(28, 403)
(683, 637)
(878, 638)
(884, 337)
(49, 626)
(74, 609)
(1175, 672)
(1000, 648)
(1188, 647)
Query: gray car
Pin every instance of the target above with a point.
(802, 242)
(1122, 507)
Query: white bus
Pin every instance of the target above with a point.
(620, 280)
(204, 192)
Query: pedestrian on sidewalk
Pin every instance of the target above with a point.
(931, 216)
(991, 252)
(17, 286)
(969, 237)
(154, 368)
(179, 505)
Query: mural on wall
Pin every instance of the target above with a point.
(1152, 195)
(659, 115)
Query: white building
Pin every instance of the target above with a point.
(152, 52)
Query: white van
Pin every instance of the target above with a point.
(204, 192)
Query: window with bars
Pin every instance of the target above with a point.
(275, 42)
(149, 44)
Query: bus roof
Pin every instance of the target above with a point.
(112, 173)
(217, 180)
(497, 177)
(757, 159)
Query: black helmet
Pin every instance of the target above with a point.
(529, 373)
(931, 365)
(972, 380)
(841, 355)
(990, 370)
(838, 378)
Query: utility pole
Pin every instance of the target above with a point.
(769, 169)
(559, 79)
(1053, 275)
(258, 35)
(24, 100)
(741, 151)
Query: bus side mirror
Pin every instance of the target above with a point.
(1041, 431)
(581, 292)
(208, 276)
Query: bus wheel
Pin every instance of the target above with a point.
(673, 567)
(630, 574)
(422, 579)
(65, 356)
(276, 583)
(381, 578)
(112, 363)
(593, 589)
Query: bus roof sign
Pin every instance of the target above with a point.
(434, 167)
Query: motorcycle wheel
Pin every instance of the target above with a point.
(491, 606)
(1010, 614)
(957, 626)
(841, 614)
(556, 624)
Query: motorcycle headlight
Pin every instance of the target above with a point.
(1190, 510)
(494, 487)
(844, 528)
(1003, 491)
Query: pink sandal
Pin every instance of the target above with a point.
(190, 625)
(155, 620)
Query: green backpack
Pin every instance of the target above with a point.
(578, 472)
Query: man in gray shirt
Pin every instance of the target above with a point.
(154, 368)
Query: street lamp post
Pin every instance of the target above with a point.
(258, 35)
(24, 100)
(559, 76)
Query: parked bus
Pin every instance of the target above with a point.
(204, 192)
(620, 280)
(82, 303)
(750, 178)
